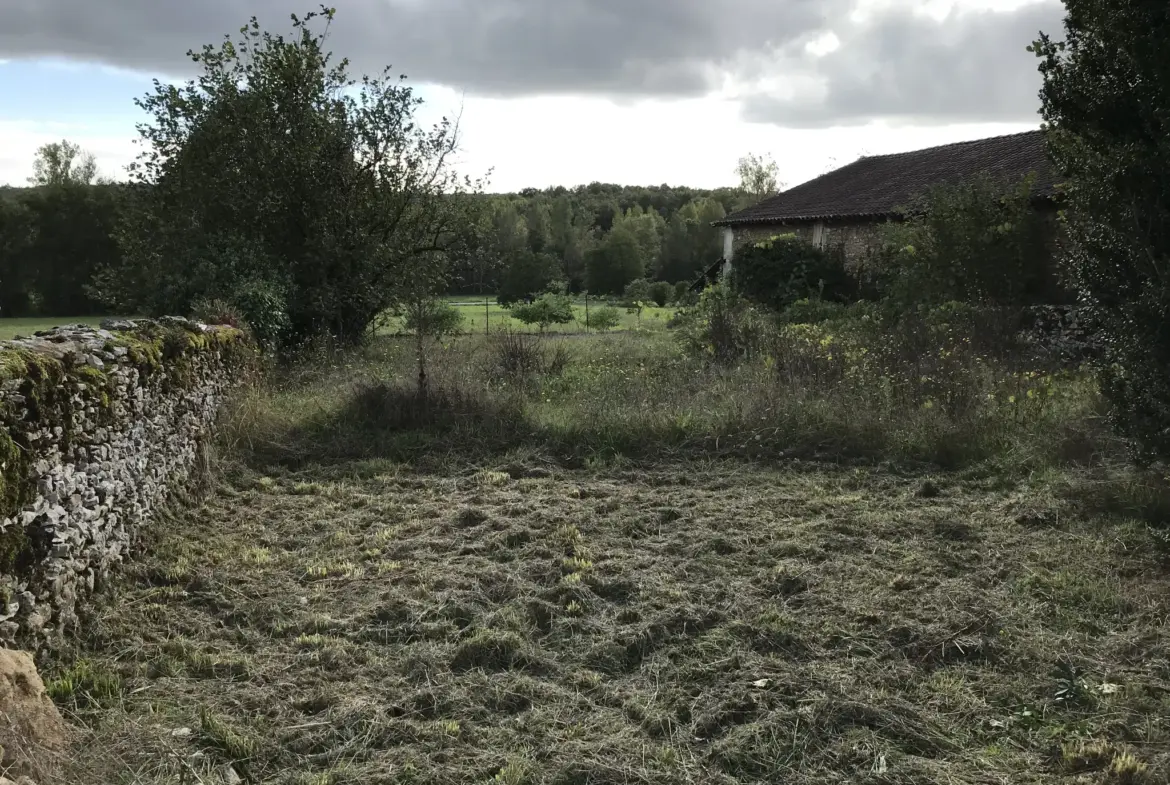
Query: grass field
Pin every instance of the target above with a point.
(496, 318)
(474, 320)
(630, 568)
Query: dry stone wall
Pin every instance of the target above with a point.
(97, 428)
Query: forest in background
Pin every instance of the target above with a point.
(62, 230)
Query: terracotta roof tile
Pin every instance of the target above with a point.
(879, 185)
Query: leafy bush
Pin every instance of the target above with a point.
(432, 317)
(545, 310)
(1106, 117)
(638, 291)
(977, 242)
(265, 312)
(661, 293)
(604, 318)
(682, 293)
(724, 327)
(783, 269)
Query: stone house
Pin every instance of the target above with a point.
(844, 208)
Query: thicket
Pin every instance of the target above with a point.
(1105, 101)
(53, 238)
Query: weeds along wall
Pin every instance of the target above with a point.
(97, 428)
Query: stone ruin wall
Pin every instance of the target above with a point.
(98, 428)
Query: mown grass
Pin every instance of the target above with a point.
(603, 560)
(719, 622)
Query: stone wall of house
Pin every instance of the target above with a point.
(97, 428)
(855, 239)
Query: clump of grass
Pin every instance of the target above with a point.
(85, 685)
(221, 735)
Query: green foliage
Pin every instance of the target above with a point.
(63, 163)
(528, 274)
(683, 294)
(619, 260)
(758, 179)
(604, 318)
(724, 327)
(661, 293)
(275, 166)
(783, 269)
(545, 310)
(638, 291)
(814, 311)
(1105, 102)
(52, 240)
(433, 318)
(980, 241)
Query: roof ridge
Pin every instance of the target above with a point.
(964, 143)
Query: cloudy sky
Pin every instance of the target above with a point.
(561, 92)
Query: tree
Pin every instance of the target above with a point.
(17, 235)
(545, 310)
(536, 220)
(1105, 103)
(661, 293)
(275, 168)
(691, 242)
(616, 262)
(638, 295)
(527, 275)
(758, 178)
(63, 163)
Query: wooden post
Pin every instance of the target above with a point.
(586, 311)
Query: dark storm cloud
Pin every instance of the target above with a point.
(971, 67)
(502, 47)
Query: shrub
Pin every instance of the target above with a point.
(682, 293)
(518, 357)
(1106, 116)
(216, 311)
(432, 317)
(547, 309)
(724, 327)
(661, 293)
(980, 241)
(783, 269)
(265, 311)
(638, 291)
(604, 318)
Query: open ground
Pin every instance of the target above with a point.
(483, 592)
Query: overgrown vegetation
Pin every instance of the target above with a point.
(981, 242)
(1106, 117)
(491, 589)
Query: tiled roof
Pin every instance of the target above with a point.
(877, 186)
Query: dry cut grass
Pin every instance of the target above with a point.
(670, 622)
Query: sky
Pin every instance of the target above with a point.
(567, 92)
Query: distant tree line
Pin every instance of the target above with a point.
(278, 189)
(55, 234)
